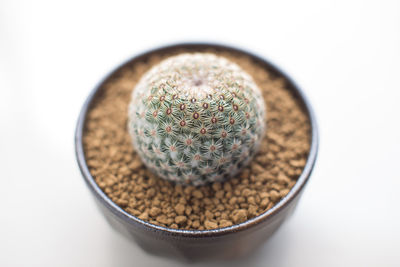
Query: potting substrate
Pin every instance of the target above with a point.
(272, 173)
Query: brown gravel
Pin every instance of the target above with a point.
(120, 174)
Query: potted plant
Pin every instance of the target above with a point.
(221, 150)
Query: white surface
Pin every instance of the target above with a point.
(346, 56)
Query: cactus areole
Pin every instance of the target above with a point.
(196, 118)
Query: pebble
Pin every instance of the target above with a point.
(239, 216)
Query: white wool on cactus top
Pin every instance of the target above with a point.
(196, 118)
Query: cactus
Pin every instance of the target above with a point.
(196, 118)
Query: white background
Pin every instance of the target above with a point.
(345, 55)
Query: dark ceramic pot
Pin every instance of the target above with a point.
(226, 243)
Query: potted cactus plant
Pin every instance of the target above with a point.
(168, 142)
(196, 118)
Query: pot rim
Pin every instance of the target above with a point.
(131, 219)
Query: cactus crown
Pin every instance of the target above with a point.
(196, 118)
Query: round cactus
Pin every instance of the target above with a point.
(196, 118)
